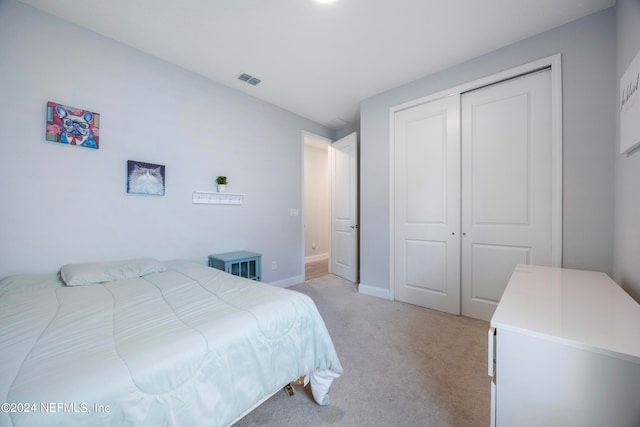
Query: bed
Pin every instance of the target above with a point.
(145, 343)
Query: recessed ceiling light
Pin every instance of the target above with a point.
(324, 1)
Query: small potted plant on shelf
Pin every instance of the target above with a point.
(222, 184)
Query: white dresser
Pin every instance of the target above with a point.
(564, 350)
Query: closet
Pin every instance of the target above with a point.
(474, 192)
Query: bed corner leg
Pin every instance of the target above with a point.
(289, 389)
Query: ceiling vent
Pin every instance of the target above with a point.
(248, 78)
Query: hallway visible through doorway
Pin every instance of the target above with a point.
(316, 269)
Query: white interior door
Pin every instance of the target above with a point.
(427, 205)
(506, 186)
(344, 207)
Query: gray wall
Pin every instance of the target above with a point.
(627, 176)
(589, 96)
(62, 204)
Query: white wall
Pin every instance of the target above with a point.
(627, 177)
(62, 204)
(588, 65)
(316, 201)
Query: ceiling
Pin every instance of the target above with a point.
(318, 60)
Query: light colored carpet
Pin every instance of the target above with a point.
(403, 366)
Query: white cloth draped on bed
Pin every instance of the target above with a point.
(190, 346)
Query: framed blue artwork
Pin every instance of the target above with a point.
(145, 178)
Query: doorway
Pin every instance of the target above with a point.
(341, 208)
(316, 188)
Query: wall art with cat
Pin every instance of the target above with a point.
(145, 178)
(73, 126)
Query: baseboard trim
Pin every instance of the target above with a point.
(314, 258)
(285, 283)
(374, 291)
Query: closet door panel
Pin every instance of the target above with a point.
(425, 170)
(427, 205)
(492, 267)
(506, 186)
(500, 189)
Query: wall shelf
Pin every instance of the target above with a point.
(214, 198)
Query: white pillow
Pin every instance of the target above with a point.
(90, 273)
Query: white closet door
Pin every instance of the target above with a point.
(427, 205)
(506, 186)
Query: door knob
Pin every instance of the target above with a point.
(354, 226)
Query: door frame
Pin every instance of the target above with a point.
(553, 62)
(319, 138)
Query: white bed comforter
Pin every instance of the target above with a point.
(191, 346)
